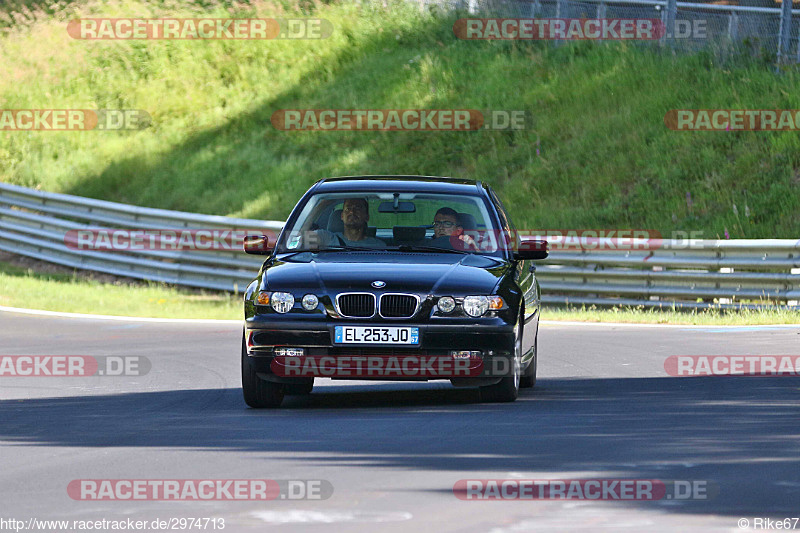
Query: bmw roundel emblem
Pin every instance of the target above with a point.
(379, 284)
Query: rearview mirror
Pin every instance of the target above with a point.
(257, 245)
(397, 207)
(531, 249)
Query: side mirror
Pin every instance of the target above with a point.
(257, 245)
(531, 249)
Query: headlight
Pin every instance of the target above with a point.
(310, 302)
(282, 302)
(476, 305)
(446, 304)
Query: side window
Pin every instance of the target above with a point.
(505, 219)
(503, 211)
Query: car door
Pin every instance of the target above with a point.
(525, 276)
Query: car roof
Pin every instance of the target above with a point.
(432, 184)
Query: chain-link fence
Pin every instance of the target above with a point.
(766, 31)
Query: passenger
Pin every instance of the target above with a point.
(449, 226)
(445, 222)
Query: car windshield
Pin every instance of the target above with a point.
(402, 221)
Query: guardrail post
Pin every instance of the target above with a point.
(785, 32)
(532, 9)
(797, 59)
(560, 9)
(601, 14)
(669, 18)
(724, 270)
(733, 26)
(793, 271)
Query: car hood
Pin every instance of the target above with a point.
(421, 273)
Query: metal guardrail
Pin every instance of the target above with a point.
(35, 223)
(694, 274)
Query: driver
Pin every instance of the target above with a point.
(355, 214)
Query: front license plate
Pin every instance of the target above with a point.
(376, 335)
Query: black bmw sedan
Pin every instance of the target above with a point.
(393, 278)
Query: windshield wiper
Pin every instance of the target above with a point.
(332, 249)
(415, 248)
(338, 248)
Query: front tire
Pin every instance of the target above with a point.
(528, 379)
(257, 392)
(507, 389)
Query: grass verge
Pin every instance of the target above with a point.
(20, 287)
(710, 317)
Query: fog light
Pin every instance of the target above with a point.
(446, 304)
(476, 305)
(282, 302)
(289, 352)
(465, 354)
(310, 302)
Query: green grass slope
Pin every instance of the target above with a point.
(596, 153)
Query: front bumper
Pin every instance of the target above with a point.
(431, 359)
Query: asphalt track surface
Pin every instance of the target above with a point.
(604, 407)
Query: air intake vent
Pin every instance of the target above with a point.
(356, 304)
(398, 305)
